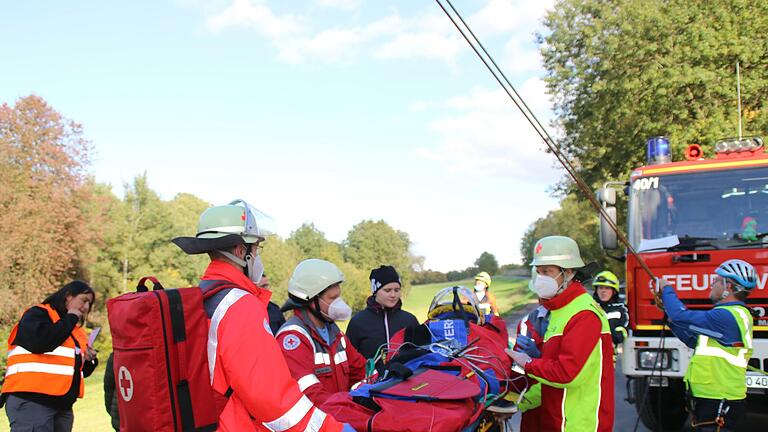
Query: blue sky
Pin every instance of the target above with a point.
(324, 111)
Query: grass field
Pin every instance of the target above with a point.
(511, 293)
(90, 415)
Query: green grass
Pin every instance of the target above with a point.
(511, 293)
(90, 415)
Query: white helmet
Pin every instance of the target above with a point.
(739, 272)
(311, 277)
(559, 251)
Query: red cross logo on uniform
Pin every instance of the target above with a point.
(291, 342)
(538, 248)
(125, 382)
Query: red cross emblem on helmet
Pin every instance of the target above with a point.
(538, 248)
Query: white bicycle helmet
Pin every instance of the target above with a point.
(740, 272)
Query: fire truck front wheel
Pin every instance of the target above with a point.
(664, 407)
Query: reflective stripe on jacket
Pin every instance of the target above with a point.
(717, 371)
(533, 326)
(488, 304)
(576, 369)
(244, 357)
(49, 373)
(320, 369)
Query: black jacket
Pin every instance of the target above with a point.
(368, 328)
(276, 318)
(38, 334)
(618, 317)
(110, 394)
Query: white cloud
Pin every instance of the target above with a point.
(340, 4)
(336, 44)
(521, 56)
(509, 16)
(484, 132)
(298, 37)
(427, 45)
(257, 15)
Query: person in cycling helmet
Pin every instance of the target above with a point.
(722, 342)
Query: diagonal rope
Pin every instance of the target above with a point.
(479, 49)
(519, 102)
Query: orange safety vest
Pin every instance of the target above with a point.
(50, 373)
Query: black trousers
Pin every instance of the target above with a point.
(705, 412)
(27, 416)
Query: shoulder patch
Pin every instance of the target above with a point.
(291, 342)
(267, 328)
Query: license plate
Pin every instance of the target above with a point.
(757, 381)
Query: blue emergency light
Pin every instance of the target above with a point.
(658, 151)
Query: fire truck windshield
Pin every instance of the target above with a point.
(715, 209)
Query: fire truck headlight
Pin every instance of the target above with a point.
(650, 359)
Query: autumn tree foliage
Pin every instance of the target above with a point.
(43, 157)
(57, 224)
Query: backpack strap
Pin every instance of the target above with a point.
(214, 292)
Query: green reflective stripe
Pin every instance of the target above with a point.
(582, 395)
(744, 323)
(581, 402)
(531, 398)
(717, 371)
(705, 348)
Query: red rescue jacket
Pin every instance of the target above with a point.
(320, 369)
(244, 357)
(564, 356)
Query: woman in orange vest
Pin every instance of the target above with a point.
(48, 357)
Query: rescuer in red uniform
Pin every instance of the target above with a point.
(320, 356)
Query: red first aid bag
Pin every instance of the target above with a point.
(159, 339)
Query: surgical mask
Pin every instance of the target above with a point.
(255, 268)
(545, 286)
(338, 310)
(480, 291)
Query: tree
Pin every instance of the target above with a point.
(312, 243)
(43, 157)
(576, 219)
(280, 258)
(371, 244)
(487, 263)
(184, 211)
(625, 70)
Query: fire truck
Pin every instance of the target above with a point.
(684, 218)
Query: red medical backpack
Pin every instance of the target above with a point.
(159, 339)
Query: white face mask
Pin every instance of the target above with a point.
(338, 310)
(255, 268)
(546, 287)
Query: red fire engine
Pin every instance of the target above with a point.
(684, 218)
